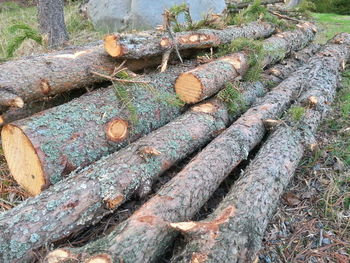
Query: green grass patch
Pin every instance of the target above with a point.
(80, 29)
(296, 112)
(233, 98)
(329, 25)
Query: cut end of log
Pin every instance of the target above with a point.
(112, 47)
(189, 88)
(18, 102)
(102, 258)
(2, 121)
(113, 203)
(117, 130)
(45, 87)
(198, 258)
(205, 108)
(22, 159)
(57, 256)
(312, 100)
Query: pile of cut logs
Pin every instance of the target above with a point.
(84, 158)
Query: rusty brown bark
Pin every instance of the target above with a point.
(206, 80)
(147, 154)
(146, 234)
(236, 237)
(153, 43)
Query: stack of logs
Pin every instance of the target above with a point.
(83, 159)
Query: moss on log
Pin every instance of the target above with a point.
(146, 234)
(44, 148)
(33, 78)
(151, 43)
(256, 193)
(206, 80)
(116, 189)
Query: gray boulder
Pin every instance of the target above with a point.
(120, 15)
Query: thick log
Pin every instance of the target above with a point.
(255, 195)
(33, 78)
(151, 43)
(44, 148)
(9, 99)
(146, 234)
(206, 80)
(192, 129)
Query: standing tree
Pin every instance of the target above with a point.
(51, 21)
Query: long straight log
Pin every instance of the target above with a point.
(36, 77)
(79, 131)
(146, 234)
(44, 148)
(206, 80)
(152, 43)
(253, 198)
(122, 174)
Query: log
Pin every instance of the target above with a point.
(43, 149)
(30, 108)
(236, 7)
(255, 195)
(36, 77)
(206, 80)
(146, 234)
(192, 129)
(152, 43)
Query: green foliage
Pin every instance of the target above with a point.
(122, 93)
(9, 7)
(21, 32)
(296, 112)
(172, 100)
(256, 11)
(256, 53)
(341, 7)
(233, 98)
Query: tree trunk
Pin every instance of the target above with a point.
(199, 123)
(43, 149)
(206, 80)
(146, 234)
(51, 22)
(153, 43)
(34, 78)
(254, 196)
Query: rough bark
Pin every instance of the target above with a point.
(146, 234)
(51, 22)
(206, 80)
(62, 139)
(151, 43)
(116, 181)
(15, 113)
(255, 195)
(34, 78)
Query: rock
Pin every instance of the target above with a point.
(120, 15)
(326, 241)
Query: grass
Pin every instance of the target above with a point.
(80, 29)
(330, 24)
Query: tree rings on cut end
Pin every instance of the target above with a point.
(22, 159)
(117, 130)
(188, 87)
(112, 47)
